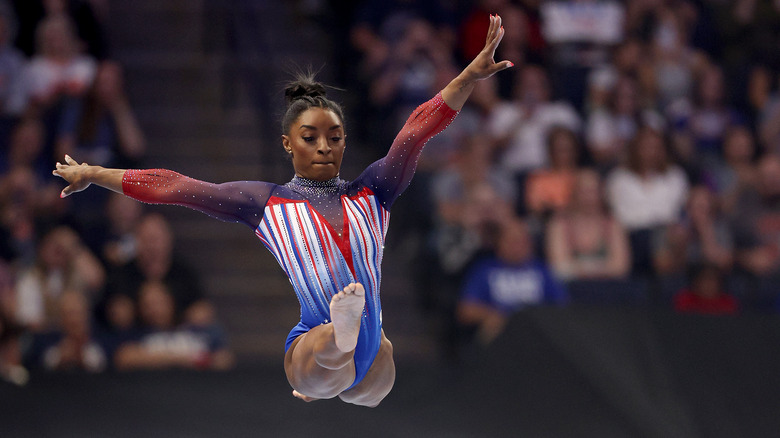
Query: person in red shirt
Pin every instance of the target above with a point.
(705, 294)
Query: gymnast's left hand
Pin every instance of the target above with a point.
(77, 175)
(483, 66)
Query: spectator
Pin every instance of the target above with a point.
(12, 61)
(155, 261)
(611, 128)
(471, 197)
(701, 237)
(646, 194)
(380, 25)
(516, 46)
(105, 132)
(705, 294)
(520, 128)
(63, 263)
(737, 172)
(628, 60)
(85, 14)
(419, 65)
(580, 34)
(120, 245)
(674, 61)
(757, 226)
(57, 70)
(584, 242)
(700, 125)
(119, 319)
(549, 190)
(505, 283)
(162, 344)
(766, 104)
(10, 354)
(72, 346)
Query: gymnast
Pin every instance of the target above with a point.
(326, 233)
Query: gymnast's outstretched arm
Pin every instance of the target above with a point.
(239, 201)
(392, 174)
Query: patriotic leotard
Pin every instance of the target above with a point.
(324, 234)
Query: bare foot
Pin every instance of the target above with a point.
(346, 308)
(305, 398)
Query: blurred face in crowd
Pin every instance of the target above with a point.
(626, 96)
(26, 142)
(74, 314)
(108, 83)
(563, 149)
(628, 55)
(485, 93)
(123, 212)
(533, 87)
(514, 244)
(738, 146)
(120, 312)
(156, 306)
(587, 191)
(155, 246)
(57, 248)
(700, 203)
(707, 283)
(650, 151)
(711, 87)
(56, 38)
(473, 161)
(515, 23)
(769, 176)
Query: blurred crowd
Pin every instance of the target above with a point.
(91, 282)
(630, 157)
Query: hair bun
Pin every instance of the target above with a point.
(304, 86)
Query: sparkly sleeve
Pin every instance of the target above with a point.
(239, 201)
(391, 175)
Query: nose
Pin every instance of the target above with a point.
(322, 146)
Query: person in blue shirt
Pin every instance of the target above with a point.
(506, 282)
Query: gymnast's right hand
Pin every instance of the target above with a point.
(75, 174)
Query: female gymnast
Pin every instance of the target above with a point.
(326, 233)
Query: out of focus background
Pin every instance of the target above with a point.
(592, 248)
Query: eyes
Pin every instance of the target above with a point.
(310, 139)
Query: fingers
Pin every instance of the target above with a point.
(70, 161)
(66, 192)
(495, 34)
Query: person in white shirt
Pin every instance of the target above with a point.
(57, 70)
(520, 127)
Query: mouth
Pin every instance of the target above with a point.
(323, 163)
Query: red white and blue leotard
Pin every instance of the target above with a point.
(324, 234)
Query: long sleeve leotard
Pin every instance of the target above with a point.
(324, 234)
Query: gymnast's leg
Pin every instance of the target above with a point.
(319, 364)
(378, 381)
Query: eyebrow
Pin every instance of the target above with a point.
(314, 128)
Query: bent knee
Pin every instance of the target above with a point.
(370, 398)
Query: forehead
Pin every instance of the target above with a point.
(320, 118)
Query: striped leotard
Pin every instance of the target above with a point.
(324, 234)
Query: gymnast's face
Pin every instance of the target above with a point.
(316, 144)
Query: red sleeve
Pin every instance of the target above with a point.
(239, 201)
(391, 175)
